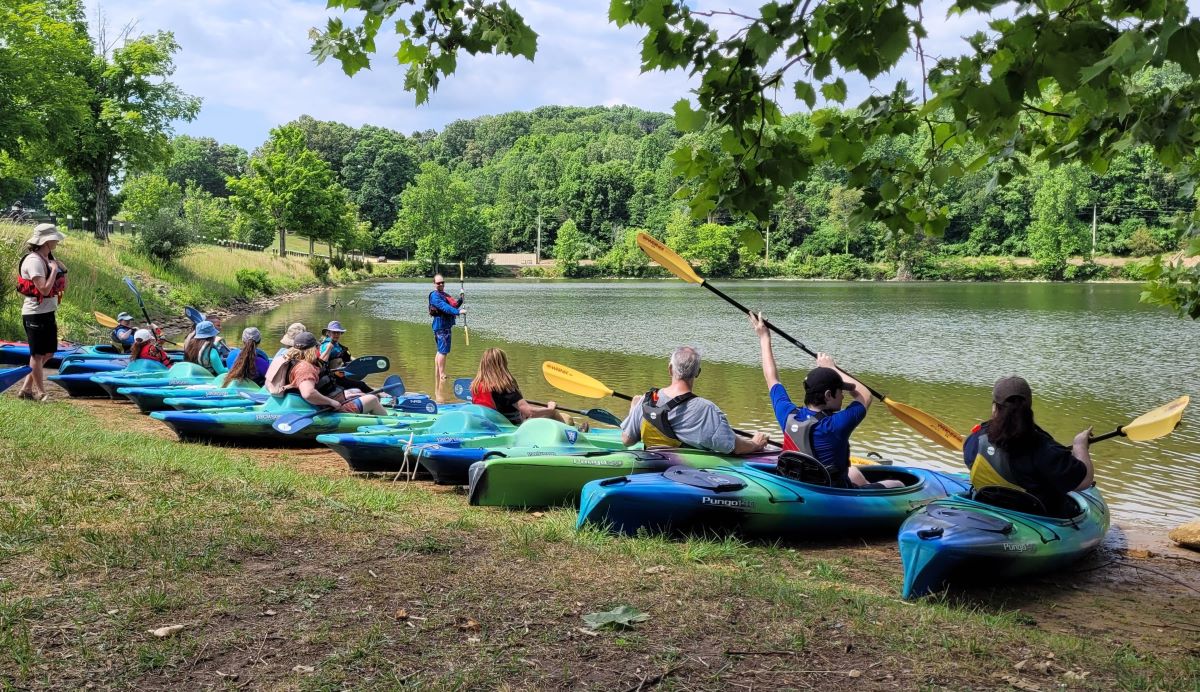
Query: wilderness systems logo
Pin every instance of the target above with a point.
(728, 502)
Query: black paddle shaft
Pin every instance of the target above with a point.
(1108, 435)
(788, 337)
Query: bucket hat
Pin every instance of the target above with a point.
(290, 336)
(44, 233)
(252, 334)
(206, 330)
(333, 326)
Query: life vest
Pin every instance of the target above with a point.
(204, 357)
(150, 351)
(800, 433)
(434, 311)
(283, 374)
(992, 467)
(338, 353)
(656, 424)
(29, 289)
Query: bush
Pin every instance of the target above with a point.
(1142, 243)
(10, 300)
(839, 267)
(538, 272)
(254, 282)
(1135, 271)
(164, 236)
(320, 268)
(337, 261)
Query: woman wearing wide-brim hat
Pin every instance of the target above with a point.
(336, 355)
(42, 280)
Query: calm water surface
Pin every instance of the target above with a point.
(1092, 353)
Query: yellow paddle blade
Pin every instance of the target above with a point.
(1157, 423)
(105, 320)
(460, 271)
(574, 382)
(667, 258)
(926, 424)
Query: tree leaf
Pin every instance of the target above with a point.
(623, 616)
(686, 119)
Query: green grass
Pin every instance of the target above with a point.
(113, 533)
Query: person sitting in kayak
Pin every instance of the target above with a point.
(218, 341)
(336, 355)
(247, 362)
(1010, 451)
(202, 349)
(288, 339)
(308, 375)
(675, 417)
(145, 346)
(820, 429)
(122, 334)
(495, 387)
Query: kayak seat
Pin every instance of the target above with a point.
(708, 480)
(874, 474)
(1010, 498)
(801, 467)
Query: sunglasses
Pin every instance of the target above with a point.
(439, 283)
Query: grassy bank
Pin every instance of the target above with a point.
(284, 578)
(207, 277)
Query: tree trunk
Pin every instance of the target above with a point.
(283, 242)
(312, 247)
(100, 185)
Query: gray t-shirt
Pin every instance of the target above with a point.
(35, 267)
(697, 423)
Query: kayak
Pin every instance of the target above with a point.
(754, 500)
(958, 539)
(17, 353)
(76, 377)
(108, 356)
(411, 402)
(382, 449)
(551, 481)
(179, 374)
(252, 424)
(151, 397)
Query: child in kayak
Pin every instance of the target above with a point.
(1009, 451)
(122, 334)
(308, 375)
(145, 346)
(202, 349)
(495, 387)
(247, 362)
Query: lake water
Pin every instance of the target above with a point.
(1091, 352)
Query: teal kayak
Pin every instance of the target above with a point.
(153, 398)
(179, 374)
(754, 500)
(957, 539)
(252, 424)
(76, 377)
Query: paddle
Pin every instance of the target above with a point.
(105, 320)
(193, 314)
(11, 376)
(915, 418)
(462, 390)
(462, 289)
(574, 382)
(1150, 425)
(291, 423)
(365, 365)
(142, 305)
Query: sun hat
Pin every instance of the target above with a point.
(252, 334)
(333, 326)
(292, 330)
(1008, 387)
(143, 335)
(206, 330)
(124, 316)
(305, 340)
(45, 232)
(824, 380)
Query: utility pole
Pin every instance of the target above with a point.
(768, 255)
(1093, 229)
(537, 256)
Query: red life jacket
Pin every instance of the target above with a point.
(151, 351)
(28, 288)
(433, 311)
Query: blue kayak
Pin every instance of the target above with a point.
(17, 353)
(752, 499)
(958, 540)
(179, 374)
(76, 377)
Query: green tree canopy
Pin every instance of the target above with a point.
(439, 220)
(204, 162)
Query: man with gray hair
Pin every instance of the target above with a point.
(675, 417)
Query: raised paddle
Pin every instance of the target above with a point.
(142, 305)
(1150, 425)
(194, 315)
(462, 390)
(915, 418)
(291, 423)
(462, 290)
(574, 382)
(11, 376)
(105, 320)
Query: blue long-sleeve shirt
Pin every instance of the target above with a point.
(445, 320)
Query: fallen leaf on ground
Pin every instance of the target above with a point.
(620, 617)
(269, 613)
(1076, 677)
(854, 673)
(302, 669)
(166, 631)
(402, 614)
(657, 569)
(470, 625)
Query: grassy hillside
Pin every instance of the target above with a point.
(206, 277)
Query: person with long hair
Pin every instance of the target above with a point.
(495, 387)
(247, 362)
(1010, 451)
(42, 279)
(202, 349)
(309, 376)
(145, 346)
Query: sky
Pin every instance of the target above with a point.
(248, 61)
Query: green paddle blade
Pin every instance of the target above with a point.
(1157, 423)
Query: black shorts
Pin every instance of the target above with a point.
(41, 331)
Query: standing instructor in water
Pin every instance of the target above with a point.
(443, 309)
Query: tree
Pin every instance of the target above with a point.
(147, 195)
(570, 246)
(204, 162)
(42, 92)
(131, 111)
(381, 164)
(331, 140)
(1054, 81)
(439, 220)
(1055, 233)
(290, 188)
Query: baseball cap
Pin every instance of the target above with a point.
(304, 340)
(124, 316)
(251, 334)
(142, 335)
(1008, 387)
(824, 379)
